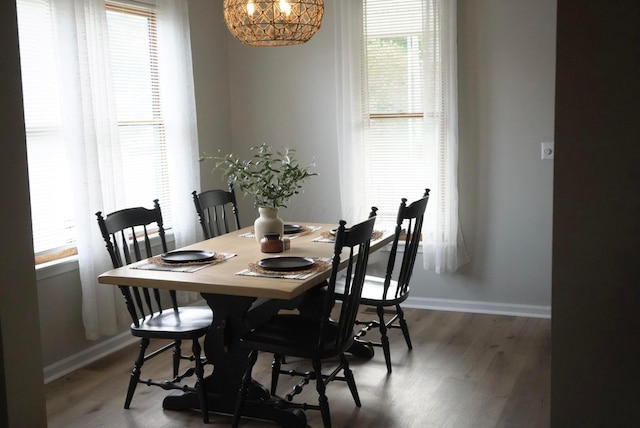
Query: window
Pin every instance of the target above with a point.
(51, 205)
(396, 148)
(140, 149)
(133, 51)
(397, 117)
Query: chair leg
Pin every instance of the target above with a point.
(275, 372)
(242, 393)
(202, 393)
(177, 353)
(351, 381)
(322, 396)
(135, 373)
(384, 339)
(404, 326)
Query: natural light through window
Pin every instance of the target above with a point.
(399, 157)
(138, 146)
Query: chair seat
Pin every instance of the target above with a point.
(373, 290)
(295, 336)
(188, 323)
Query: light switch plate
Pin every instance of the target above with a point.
(547, 150)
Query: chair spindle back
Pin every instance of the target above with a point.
(357, 240)
(126, 233)
(414, 217)
(212, 207)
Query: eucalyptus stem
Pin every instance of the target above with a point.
(270, 178)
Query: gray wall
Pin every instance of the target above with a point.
(21, 387)
(286, 96)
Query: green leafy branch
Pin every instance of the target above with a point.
(271, 178)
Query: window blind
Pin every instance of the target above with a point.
(51, 200)
(400, 161)
(133, 49)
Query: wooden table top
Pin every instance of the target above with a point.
(222, 278)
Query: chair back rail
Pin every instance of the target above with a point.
(410, 220)
(126, 233)
(357, 240)
(212, 207)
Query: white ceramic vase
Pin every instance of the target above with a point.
(268, 222)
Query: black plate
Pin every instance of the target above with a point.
(185, 256)
(286, 263)
(292, 228)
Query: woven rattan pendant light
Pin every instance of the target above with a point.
(274, 22)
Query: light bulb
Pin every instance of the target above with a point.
(251, 7)
(285, 7)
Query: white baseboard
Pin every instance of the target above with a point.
(478, 307)
(89, 355)
(100, 350)
(113, 344)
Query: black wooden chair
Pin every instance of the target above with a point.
(125, 232)
(317, 338)
(385, 293)
(213, 208)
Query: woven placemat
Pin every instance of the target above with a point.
(318, 265)
(217, 258)
(305, 231)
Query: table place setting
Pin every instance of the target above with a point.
(291, 231)
(182, 261)
(287, 267)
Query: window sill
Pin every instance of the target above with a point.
(387, 248)
(56, 267)
(69, 264)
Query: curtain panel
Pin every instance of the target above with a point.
(90, 130)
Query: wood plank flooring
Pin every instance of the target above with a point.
(465, 370)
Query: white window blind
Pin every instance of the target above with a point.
(51, 198)
(133, 49)
(400, 161)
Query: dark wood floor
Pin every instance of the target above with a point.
(466, 370)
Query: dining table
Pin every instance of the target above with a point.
(242, 295)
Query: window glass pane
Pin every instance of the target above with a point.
(400, 163)
(145, 164)
(394, 75)
(134, 63)
(49, 185)
(51, 202)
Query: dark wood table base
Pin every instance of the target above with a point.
(232, 317)
(267, 408)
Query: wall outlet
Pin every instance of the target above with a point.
(546, 150)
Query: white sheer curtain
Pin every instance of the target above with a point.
(179, 108)
(349, 109)
(443, 246)
(91, 132)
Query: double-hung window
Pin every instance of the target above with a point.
(139, 152)
(133, 48)
(110, 124)
(49, 178)
(397, 117)
(398, 151)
